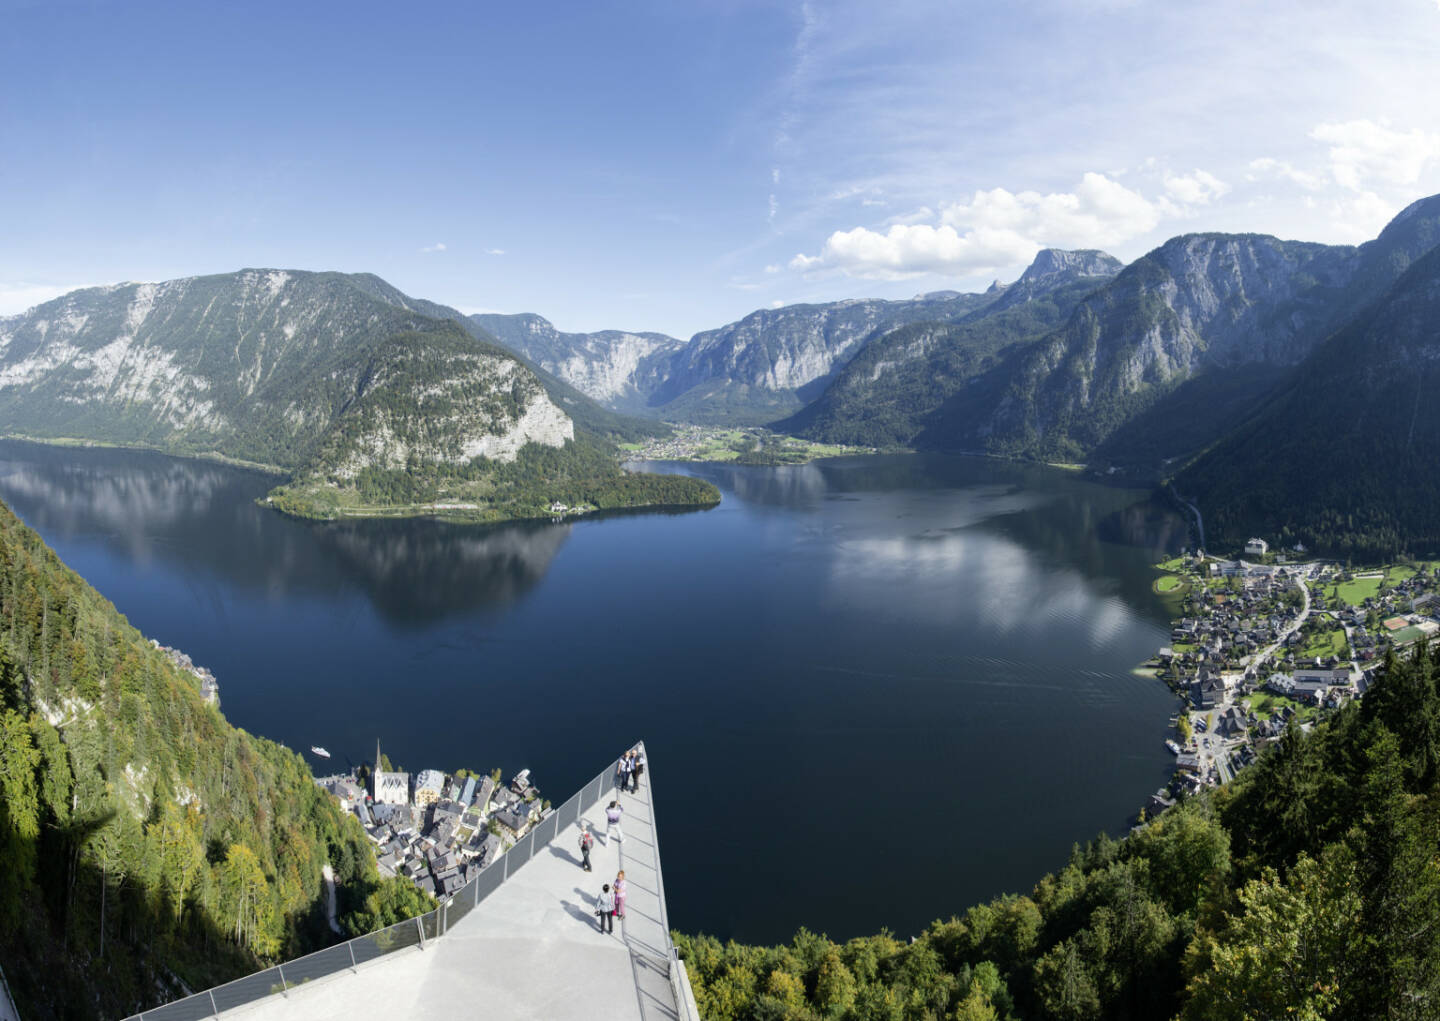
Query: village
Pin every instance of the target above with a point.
(435, 829)
(1265, 642)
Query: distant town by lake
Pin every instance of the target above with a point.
(874, 690)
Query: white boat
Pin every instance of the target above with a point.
(1174, 748)
(319, 751)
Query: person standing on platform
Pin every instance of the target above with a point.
(622, 773)
(605, 908)
(587, 841)
(638, 771)
(612, 822)
(621, 889)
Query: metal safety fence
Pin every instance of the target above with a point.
(411, 933)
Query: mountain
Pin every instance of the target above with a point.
(339, 379)
(614, 367)
(896, 390)
(771, 363)
(150, 847)
(1344, 458)
(1181, 345)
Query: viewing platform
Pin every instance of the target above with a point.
(520, 941)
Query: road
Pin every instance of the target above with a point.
(1264, 654)
(1199, 521)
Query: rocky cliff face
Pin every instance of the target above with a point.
(892, 391)
(1200, 305)
(617, 368)
(770, 362)
(1343, 459)
(270, 366)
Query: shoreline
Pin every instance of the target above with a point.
(455, 513)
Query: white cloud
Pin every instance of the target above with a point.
(911, 250)
(494, 251)
(1197, 189)
(1361, 217)
(1268, 167)
(1362, 151)
(20, 297)
(1098, 212)
(438, 246)
(996, 229)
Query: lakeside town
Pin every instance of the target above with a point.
(734, 444)
(1264, 642)
(435, 829)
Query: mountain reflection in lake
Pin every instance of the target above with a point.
(205, 516)
(912, 666)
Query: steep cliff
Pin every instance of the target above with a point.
(341, 380)
(899, 388)
(769, 364)
(614, 367)
(1344, 458)
(1206, 323)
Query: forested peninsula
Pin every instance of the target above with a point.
(369, 402)
(150, 847)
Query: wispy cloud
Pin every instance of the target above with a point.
(438, 246)
(1363, 152)
(1269, 167)
(494, 251)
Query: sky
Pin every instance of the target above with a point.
(673, 166)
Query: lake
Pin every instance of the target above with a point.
(874, 690)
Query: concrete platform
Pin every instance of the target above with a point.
(532, 949)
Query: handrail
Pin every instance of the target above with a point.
(9, 996)
(412, 932)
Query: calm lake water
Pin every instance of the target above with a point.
(874, 690)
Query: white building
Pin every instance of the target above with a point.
(1257, 548)
(391, 788)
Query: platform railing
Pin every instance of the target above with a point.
(406, 935)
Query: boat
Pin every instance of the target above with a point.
(319, 751)
(1174, 748)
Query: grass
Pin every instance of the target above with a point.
(1395, 575)
(1174, 565)
(1327, 644)
(1169, 583)
(1265, 703)
(1354, 593)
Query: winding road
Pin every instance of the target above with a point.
(1268, 651)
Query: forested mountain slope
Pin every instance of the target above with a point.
(904, 384)
(1232, 314)
(324, 375)
(769, 364)
(1346, 458)
(149, 846)
(1305, 888)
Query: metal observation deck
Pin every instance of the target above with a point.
(519, 941)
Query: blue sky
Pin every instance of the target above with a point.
(674, 165)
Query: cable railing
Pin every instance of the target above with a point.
(411, 933)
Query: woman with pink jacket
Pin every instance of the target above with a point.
(621, 889)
